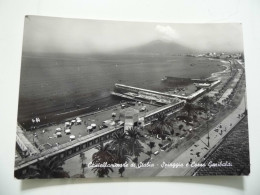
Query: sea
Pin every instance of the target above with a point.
(54, 88)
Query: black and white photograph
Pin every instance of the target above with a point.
(117, 99)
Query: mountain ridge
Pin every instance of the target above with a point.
(159, 47)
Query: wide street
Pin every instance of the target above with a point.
(193, 153)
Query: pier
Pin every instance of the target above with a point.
(136, 89)
(190, 97)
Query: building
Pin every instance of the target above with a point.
(130, 117)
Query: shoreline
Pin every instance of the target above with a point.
(215, 74)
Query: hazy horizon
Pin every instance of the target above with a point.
(43, 35)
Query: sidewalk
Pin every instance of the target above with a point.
(197, 151)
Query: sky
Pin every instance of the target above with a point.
(60, 35)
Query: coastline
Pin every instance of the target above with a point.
(216, 74)
(94, 106)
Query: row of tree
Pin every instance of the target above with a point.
(125, 147)
(122, 149)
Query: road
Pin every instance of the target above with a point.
(193, 154)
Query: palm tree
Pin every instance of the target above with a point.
(151, 146)
(121, 171)
(138, 150)
(161, 125)
(103, 155)
(120, 147)
(102, 171)
(135, 147)
(189, 108)
(47, 168)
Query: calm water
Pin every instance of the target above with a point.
(58, 85)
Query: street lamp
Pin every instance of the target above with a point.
(208, 128)
(201, 140)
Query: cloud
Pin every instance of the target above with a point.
(166, 32)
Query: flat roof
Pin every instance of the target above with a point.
(161, 108)
(150, 91)
(60, 148)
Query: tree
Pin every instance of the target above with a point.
(120, 147)
(103, 155)
(47, 168)
(189, 108)
(151, 146)
(134, 145)
(207, 101)
(102, 171)
(138, 150)
(161, 125)
(163, 137)
(121, 170)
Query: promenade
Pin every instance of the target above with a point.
(193, 154)
(198, 150)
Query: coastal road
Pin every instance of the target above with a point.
(198, 150)
(193, 154)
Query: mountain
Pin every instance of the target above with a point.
(156, 47)
(159, 47)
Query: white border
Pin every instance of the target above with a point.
(201, 11)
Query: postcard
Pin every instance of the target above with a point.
(131, 99)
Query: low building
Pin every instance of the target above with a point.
(170, 108)
(129, 116)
